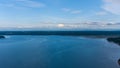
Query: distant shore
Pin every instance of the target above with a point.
(2, 37)
(64, 33)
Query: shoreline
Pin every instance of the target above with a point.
(64, 33)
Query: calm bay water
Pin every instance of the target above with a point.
(58, 52)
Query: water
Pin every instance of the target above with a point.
(58, 52)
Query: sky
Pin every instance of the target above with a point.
(35, 12)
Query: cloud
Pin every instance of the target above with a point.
(7, 5)
(10, 5)
(76, 12)
(23, 4)
(112, 6)
(71, 11)
(101, 13)
(30, 3)
(66, 9)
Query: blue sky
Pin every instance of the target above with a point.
(34, 12)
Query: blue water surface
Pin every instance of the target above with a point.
(58, 52)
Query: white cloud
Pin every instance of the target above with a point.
(112, 6)
(10, 5)
(22, 4)
(30, 3)
(101, 13)
(66, 9)
(71, 11)
(76, 12)
(7, 5)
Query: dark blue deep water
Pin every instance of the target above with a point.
(58, 52)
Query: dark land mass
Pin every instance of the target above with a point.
(114, 40)
(64, 33)
(119, 61)
(2, 37)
